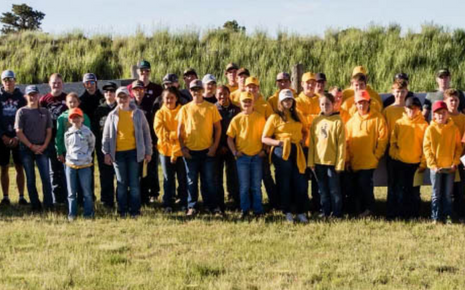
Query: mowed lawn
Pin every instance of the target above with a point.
(159, 251)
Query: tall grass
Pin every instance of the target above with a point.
(383, 50)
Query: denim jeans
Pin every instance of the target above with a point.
(403, 199)
(170, 170)
(250, 181)
(127, 177)
(221, 161)
(107, 180)
(82, 177)
(315, 203)
(270, 185)
(204, 165)
(392, 199)
(57, 175)
(330, 190)
(28, 158)
(441, 199)
(150, 185)
(459, 194)
(292, 185)
(361, 191)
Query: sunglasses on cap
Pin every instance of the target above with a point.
(90, 83)
(8, 79)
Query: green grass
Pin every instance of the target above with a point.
(159, 251)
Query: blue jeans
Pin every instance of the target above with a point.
(82, 177)
(28, 158)
(57, 175)
(204, 165)
(330, 190)
(441, 199)
(127, 177)
(292, 185)
(170, 170)
(249, 170)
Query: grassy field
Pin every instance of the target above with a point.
(159, 251)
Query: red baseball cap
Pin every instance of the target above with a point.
(439, 105)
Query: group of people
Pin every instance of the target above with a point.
(330, 137)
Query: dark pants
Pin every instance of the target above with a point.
(107, 180)
(330, 190)
(232, 183)
(360, 191)
(403, 198)
(291, 181)
(270, 186)
(150, 185)
(57, 175)
(458, 194)
(315, 204)
(392, 200)
(170, 171)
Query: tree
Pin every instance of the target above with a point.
(233, 26)
(22, 17)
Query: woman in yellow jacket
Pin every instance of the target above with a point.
(327, 155)
(442, 151)
(285, 131)
(165, 126)
(367, 139)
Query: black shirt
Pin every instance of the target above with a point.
(227, 114)
(89, 103)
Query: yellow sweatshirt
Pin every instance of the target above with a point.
(166, 126)
(441, 145)
(273, 100)
(349, 106)
(392, 114)
(327, 142)
(347, 93)
(367, 139)
(235, 97)
(309, 107)
(407, 140)
(262, 107)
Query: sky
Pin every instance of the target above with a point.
(312, 17)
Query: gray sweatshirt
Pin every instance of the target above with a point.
(80, 144)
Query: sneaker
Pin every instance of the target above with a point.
(217, 212)
(168, 210)
(434, 222)
(5, 201)
(302, 218)
(448, 220)
(22, 201)
(289, 217)
(191, 212)
(244, 215)
(71, 218)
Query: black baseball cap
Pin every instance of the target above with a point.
(110, 86)
(401, 76)
(189, 71)
(443, 72)
(320, 77)
(413, 102)
(143, 64)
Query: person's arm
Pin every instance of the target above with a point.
(383, 139)
(341, 146)
(91, 142)
(23, 139)
(428, 151)
(268, 132)
(232, 147)
(147, 137)
(216, 140)
(106, 139)
(60, 140)
(184, 149)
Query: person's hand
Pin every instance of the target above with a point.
(223, 150)
(453, 168)
(211, 151)
(312, 168)
(434, 169)
(421, 169)
(6, 140)
(148, 158)
(61, 158)
(186, 153)
(348, 168)
(238, 154)
(108, 160)
(14, 142)
(262, 154)
(41, 149)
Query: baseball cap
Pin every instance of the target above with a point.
(170, 78)
(359, 70)
(89, 77)
(283, 76)
(443, 72)
(246, 96)
(285, 94)
(31, 89)
(413, 102)
(75, 112)
(195, 84)
(401, 76)
(122, 90)
(362, 96)
(137, 84)
(108, 86)
(320, 77)
(143, 64)
(189, 71)
(252, 81)
(243, 70)
(8, 74)
(438, 105)
(308, 76)
(231, 66)
(208, 78)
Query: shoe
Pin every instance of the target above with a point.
(302, 218)
(71, 218)
(289, 217)
(434, 222)
(22, 201)
(152, 199)
(5, 201)
(191, 212)
(217, 212)
(244, 215)
(168, 210)
(366, 213)
(448, 220)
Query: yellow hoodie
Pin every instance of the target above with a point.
(441, 145)
(349, 106)
(235, 97)
(347, 93)
(166, 126)
(392, 114)
(407, 140)
(273, 100)
(327, 142)
(309, 107)
(367, 139)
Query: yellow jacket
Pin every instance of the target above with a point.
(327, 142)
(367, 139)
(407, 140)
(273, 100)
(441, 145)
(165, 126)
(347, 93)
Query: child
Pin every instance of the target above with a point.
(244, 140)
(367, 139)
(337, 93)
(442, 149)
(165, 126)
(406, 153)
(80, 144)
(327, 154)
(358, 84)
(452, 100)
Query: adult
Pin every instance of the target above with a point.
(55, 103)
(33, 125)
(224, 157)
(188, 76)
(199, 147)
(209, 88)
(321, 81)
(11, 100)
(391, 99)
(152, 90)
(231, 75)
(92, 96)
(283, 82)
(241, 75)
(126, 143)
(172, 80)
(358, 73)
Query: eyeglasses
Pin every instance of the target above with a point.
(8, 79)
(90, 83)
